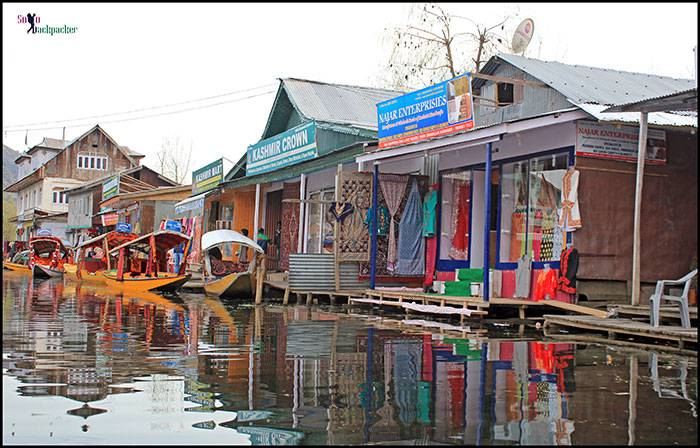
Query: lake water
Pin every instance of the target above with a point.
(83, 365)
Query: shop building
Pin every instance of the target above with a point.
(537, 142)
(49, 169)
(286, 181)
(84, 218)
(145, 210)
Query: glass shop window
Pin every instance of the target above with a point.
(530, 197)
(546, 181)
(319, 235)
(454, 218)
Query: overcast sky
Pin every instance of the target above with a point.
(134, 56)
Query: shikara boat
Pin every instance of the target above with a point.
(228, 279)
(47, 255)
(90, 268)
(141, 263)
(19, 263)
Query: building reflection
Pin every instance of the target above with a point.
(291, 374)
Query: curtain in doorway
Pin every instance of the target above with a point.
(393, 187)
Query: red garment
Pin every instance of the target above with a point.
(430, 256)
(546, 285)
(460, 222)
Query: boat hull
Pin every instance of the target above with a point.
(16, 267)
(239, 285)
(86, 276)
(167, 283)
(40, 271)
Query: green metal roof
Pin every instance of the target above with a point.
(342, 155)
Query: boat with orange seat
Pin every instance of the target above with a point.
(229, 279)
(19, 263)
(142, 263)
(90, 268)
(47, 255)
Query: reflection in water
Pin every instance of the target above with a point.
(81, 364)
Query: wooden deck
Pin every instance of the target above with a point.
(622, 327)
(666, 312)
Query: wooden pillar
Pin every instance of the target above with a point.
(632, 403)
(487, 222)
(641, 157)
(260, 279)
(257, 212)
(373, 230)
(336, 227)
(302, 196)
(285, 300)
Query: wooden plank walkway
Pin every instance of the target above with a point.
(628, 327)
(668, 312)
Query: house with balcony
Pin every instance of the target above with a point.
(47, 170)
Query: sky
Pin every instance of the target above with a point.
(126, 57)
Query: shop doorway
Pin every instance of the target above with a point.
(273, 216)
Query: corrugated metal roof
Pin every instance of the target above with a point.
(657, 118)
(53, 143)
(687, 100)
(583, 84)
(337, 103)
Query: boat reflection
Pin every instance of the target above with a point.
(290, 375)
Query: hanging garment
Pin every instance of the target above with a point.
(517, 235)
(430, 256)
(429, 208)
(522, 278)
(411, 259)
(537, 234)
(570, 217)
(558, 238)
(393, 187)
(546, 285)
(340, 211)
(382, 220)
(548, 224)
(459, 249)
(569, 267)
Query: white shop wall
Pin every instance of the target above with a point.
(513, 145)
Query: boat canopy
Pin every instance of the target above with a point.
(215, 237)
(165, 240)
(45, 244)
(114, 238)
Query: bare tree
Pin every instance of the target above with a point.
(436, 45)
(174, 159)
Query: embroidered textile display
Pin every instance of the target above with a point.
(557, 243)
(393, 187)
(569, 267)
(353, 234)
(411, 256)
(459, 249)
(290, 222)
(570, 217)
(383, 241)
(517, 234)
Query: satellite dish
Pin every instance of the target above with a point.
(522, 35)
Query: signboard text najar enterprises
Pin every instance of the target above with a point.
(442, 109)
(608, 141)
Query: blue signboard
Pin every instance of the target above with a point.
(435, 111)
(287, 148)
(173, 225)
(124, 227)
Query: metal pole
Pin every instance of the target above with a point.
(636, 262)
(487, 221)
(373, 230)
(302, 196)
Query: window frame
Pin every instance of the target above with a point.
(509, 265)
(448, 264)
